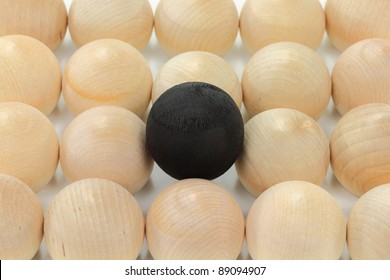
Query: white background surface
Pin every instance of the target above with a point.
(237, 57)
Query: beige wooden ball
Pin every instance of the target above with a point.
(361, 75)
(107, 72)
(128, 20)
(94, 219)
(295, 220)
(107, 142)
(286, 75)
(196, 25)
(360, 148)
(198, 66)
(350, 21)
(282, 145)
(29, 73)
(45, 21)
(264, 22)
(369, 226)
(21, 219)
(28, 145)
(195, 219)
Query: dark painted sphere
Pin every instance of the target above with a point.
(195, 130)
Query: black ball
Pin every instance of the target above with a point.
(195, 130)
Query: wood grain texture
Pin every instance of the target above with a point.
(361, 75)
(43, 20)
(21, 216)
(369, 226)
(94, 219)
(28, 145)
(360, 148)
(264, 22)
(198, 66)
(295, 220)
(350, 21)
(128, 20)
(106, 142)
(196, 25)
(282, 145)
(29, 73)
(286, 75)
(107, 72)
(195, 219)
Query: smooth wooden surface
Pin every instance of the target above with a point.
(196, 25)
(28, 145)
(361, 75)
(198, 66)
(42, 20)
(282, 145)
(369, 226)
(263, 22)
(295, 220)
(107, 72)
(350, 21)
(107, 142)
(94, 219)
(128, 20)
(286, 75)
(195, 219)
(21, 216)
(29, 73)
(360, 148)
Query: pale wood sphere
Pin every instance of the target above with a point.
(195, 219)
(29, 73)
(369, 226)
(282, 145)
(45, 21)
(360, 148)
(295, 220)
(350, 21)
(94, 219)
(128, 20)
(286, 75)
(361, 75)
(21, 216)
(107, 142)
(196, 25)
(264, 22)
(107, 72)
(198, 66)
(28, 145)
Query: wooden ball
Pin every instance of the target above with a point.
(28, 145)
(264, 22)
(286, 75)
(295, 220)
(45, 21)
(360, 148)
(361, 75)
(196, 25)
(21, 219)
(94, 219)
(369, 226)
(350, 21)
(107, 72)
(198, 66)
(106, 142)
(29, 73)
(128, 20)
(282, 145)
(195, 219)
(195, 130)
